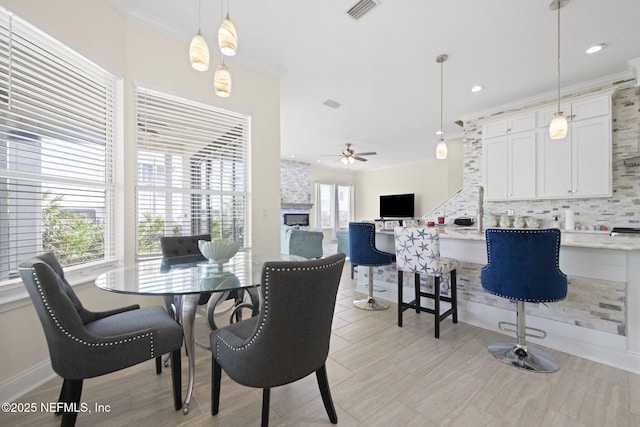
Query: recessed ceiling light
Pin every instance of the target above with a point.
(476, 88)
(596, 48)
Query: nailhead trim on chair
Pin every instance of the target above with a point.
(499, 230)
(80, 340)
(266, 302)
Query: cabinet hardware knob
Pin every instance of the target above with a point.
(507, 130)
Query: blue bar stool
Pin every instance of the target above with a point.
(418, 252)
(523, 266)
(362, 251)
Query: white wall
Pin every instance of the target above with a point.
(140, 55)
(431, 181)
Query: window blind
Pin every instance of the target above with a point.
(56, 150)
(192, 170)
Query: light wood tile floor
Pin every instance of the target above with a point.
(380, 375)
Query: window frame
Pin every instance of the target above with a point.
(213, 148)
(67, 69)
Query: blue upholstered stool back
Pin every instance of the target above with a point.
(523, 265)
(362, 245)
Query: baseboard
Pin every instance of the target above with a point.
(13, 388)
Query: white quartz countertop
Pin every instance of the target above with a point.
(596, 240)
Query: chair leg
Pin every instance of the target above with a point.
(323, 384)
(72, 392)
(216, 373)
(416, 289)
(436, 305)
(266, 393)
(400, 297)
(158, 365)
(454, 296)
(63, 395)
(176, 379)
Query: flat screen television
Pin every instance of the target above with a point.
(396, 206)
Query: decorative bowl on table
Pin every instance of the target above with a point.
(219, 251)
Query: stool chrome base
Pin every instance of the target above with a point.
(370, 303)
(523, 357)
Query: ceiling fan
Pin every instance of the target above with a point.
(349, 156)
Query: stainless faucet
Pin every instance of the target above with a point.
(480, 208)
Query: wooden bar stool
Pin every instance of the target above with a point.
(418, 252)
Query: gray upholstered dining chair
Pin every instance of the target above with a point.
(289, 339)
(85, 344)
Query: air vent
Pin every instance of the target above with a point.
(359, 9)
(332, 104)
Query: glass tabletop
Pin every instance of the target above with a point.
(152, 277)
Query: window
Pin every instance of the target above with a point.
(192, 170)
(57, 132)
(334, 206)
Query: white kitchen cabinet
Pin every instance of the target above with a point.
(582, 108)
(578, 165)
(509, 164)
(510, 125)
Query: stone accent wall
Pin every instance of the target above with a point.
(295, 182)
(590, 303)
(620, 210)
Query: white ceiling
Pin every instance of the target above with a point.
(382, 68)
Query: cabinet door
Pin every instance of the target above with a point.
(554, 165)
(522, 166)
(590, 107)
(510, 125)
(591, 165)
(495, 164)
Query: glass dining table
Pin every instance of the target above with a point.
(181, 283)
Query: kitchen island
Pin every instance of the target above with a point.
(599, 319)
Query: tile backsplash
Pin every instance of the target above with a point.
(622, 209)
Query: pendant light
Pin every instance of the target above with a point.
(227, 36)
(441, 148)
(222, 81)
(558, 126)
(198, 49)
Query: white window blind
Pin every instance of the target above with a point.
(56, 150)
(193, 170)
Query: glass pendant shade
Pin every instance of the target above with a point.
(558, 126)
(222, 81)
(441, 150)
(199, 53)
(227, 37)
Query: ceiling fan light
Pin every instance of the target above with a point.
(344, 160)
(441, 150)
(227, 37)
(351, 160)
(558, 126)
(222, 81)
(199, 53)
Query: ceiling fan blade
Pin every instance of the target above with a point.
(357, 157)
(370, 153)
